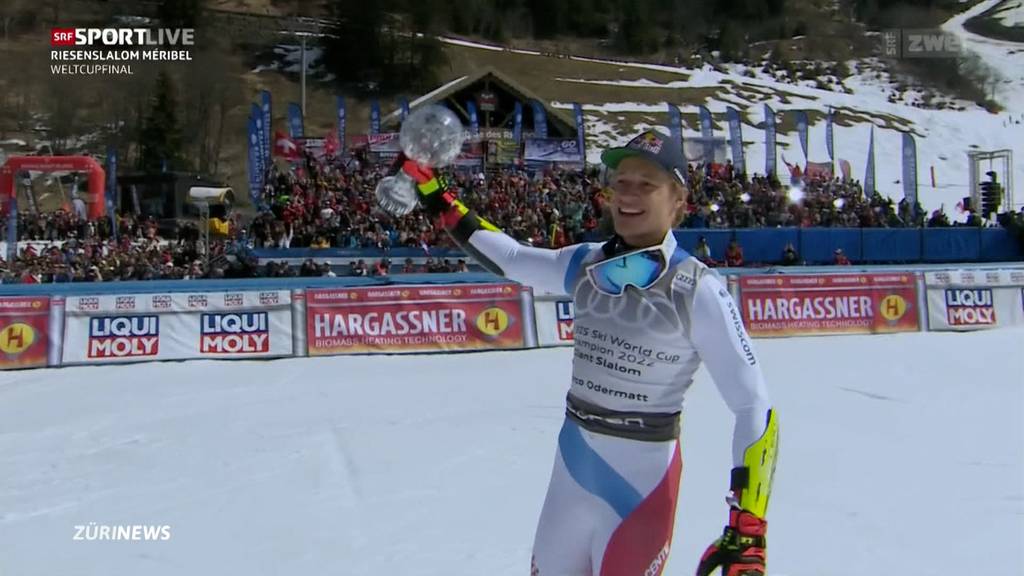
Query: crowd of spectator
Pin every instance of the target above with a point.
(331, 205)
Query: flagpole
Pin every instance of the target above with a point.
(303, 78)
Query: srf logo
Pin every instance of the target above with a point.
(16, 338)
(492, 322)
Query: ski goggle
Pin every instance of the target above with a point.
(641, 268)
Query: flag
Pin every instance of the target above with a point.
(110, 194)
(265, 105)
(474, 119)
(540, 120)
(829, 135)
(910, 171)
(581, 137)
(12, 229)
(331, 144)
(403, 104)
(869, 172)
(675, 125)
(374, 117)
(736, 139)
(769, 140)
(256, 112)
(801, 130)
(846, 169)
(296, 129)
(255, 179)
(285, 146)
(707, 133)
(517, 127)
(340, 105)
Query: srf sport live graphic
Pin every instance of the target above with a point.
(111, 51)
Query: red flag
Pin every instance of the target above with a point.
(331, 144)
(844, 167)
(285, 146)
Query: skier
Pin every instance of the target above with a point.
(646, 315)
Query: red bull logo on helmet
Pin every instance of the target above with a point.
(124, 336)
(235, 333)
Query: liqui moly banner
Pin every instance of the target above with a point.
(139, 327)
(769, 140)
(736, 139)
(24, 331)
(975, 299)
(555, 319)
(416, 318)
(784, 305)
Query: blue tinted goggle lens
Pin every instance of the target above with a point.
(640, 269)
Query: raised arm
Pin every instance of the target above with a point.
(544, 269)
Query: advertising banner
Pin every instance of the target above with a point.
(552, 150)
(554, 321)
(975, 299)
(829, 304)
(126, 328)
(415, 319)
(24, 331)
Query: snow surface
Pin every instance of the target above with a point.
(900, 454)
(1012, 13)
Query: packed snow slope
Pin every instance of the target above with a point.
(900, 454)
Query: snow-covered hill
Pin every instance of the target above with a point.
(943, 136)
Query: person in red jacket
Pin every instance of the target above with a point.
(840, 258)
(734, 255)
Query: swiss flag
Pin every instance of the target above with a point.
(285, 146)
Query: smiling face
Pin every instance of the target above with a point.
(646, 202)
